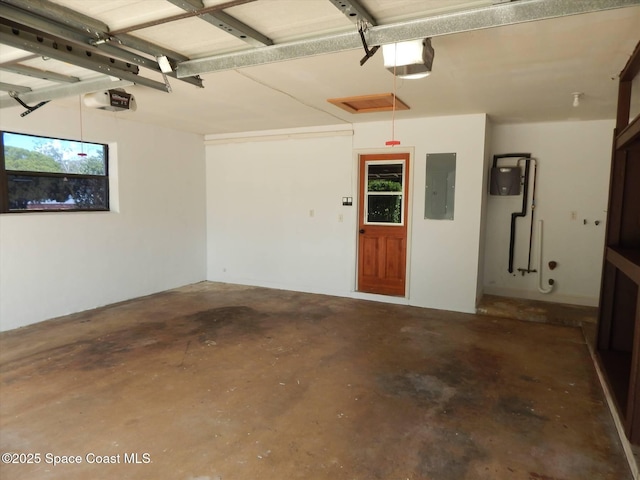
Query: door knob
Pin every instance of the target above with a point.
(362, 230)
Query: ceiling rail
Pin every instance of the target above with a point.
(224, 22)
(57, 49)
(456, 22)
(96, 30)
(84, 37)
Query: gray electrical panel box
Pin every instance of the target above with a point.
(505, 181)
(440, 186)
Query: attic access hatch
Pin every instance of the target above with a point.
(382, 102)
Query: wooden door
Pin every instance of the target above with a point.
(382, 225)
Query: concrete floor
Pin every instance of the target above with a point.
(222, 382)
(536, 311)
(543, 312)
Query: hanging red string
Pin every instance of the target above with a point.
(82, 152)
(393, 142)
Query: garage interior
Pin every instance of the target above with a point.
(217, 318)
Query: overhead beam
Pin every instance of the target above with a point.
(225, 22)
(74, 55)
(20, 37)
(98, 31)
(354, 11)
(10, 87)
(53, 27)
(235, 27)
(72, 34)
(445, 24)
(63, 15)
(63, 91)
(37, 73)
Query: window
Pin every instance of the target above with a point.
(51, 174)
(384, 192)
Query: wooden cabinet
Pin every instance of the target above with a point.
(618, 340)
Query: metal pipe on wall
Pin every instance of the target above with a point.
(525, 196)
(541, 289)
(522, 213)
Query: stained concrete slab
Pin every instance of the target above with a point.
(538, 311)
(221, 382)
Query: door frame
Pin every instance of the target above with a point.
(409, 220)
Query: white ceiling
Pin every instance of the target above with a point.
(517, 73)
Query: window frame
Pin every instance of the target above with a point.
(4, 177)
(400, 193)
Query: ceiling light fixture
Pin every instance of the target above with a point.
(410, 60)
(165, 67)
(576, 98)
(163, 63)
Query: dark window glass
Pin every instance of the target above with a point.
(36, 192)
(49, 174)
(384, 209)
(384, 192)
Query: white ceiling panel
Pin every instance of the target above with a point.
(192, 37)
(122, 13)
(285, 20)
(11, 54)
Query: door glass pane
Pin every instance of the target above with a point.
(385, 184)
(384, 208)
(383, 177)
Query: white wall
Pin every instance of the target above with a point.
(52, 264)
(572, 176)
(273, 213)
(260, 195)
(444, 254)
